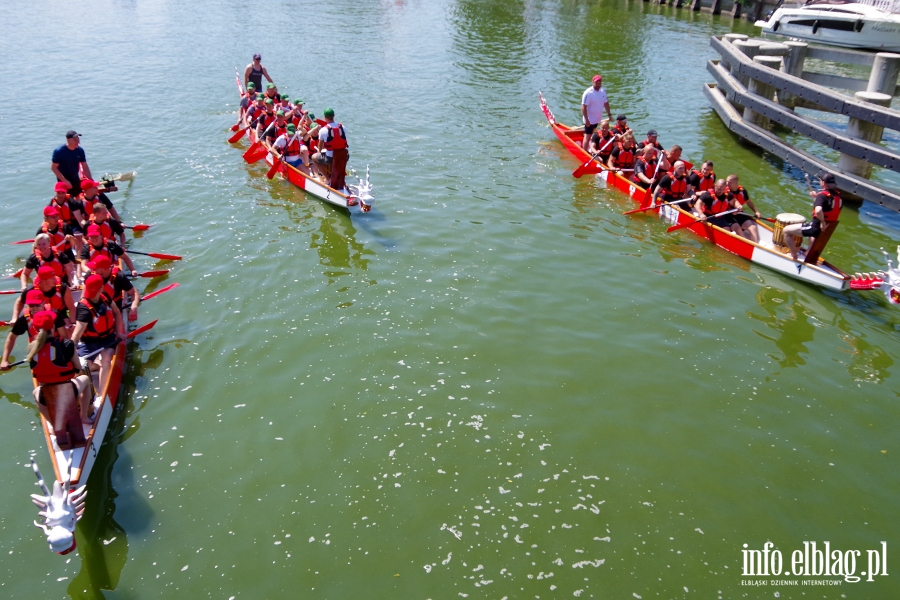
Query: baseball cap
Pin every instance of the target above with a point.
(621, 118)
(44, 319)
(35, 296)
(60, 187)
(50, 211)
(92, 285)
(94, 230)
(329, 113)
(597, 78)
(826, 177)
(251, 85)
(271, 86)
(652, 133)
(269, 101)
(87, 184)
(45, 273)
(291, 128)
(72, 133)
(100, 262)
(257, 57)
(280, 113)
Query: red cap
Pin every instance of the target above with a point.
(92, 285)
(61, 187)
(46, 272)
(50, 211)
(101, 262)
(597, 78)
(94, 230)
(87, 184)
(35, 296)
(44, 319)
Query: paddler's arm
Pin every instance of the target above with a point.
(820, 215)
(135, 302)
(70, 270)
(80, 326)
(120, 324)
(24, 277)
(753, 208)
(69, 301)
(128, 263)
(7, 350)
(17, 308)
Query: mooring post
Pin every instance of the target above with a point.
(883, 78)
(716, 7)
(773, 49)
(863, 130)
(793, 65)
(763, 90)
(751, 49)
(695, 5)
(732, 38)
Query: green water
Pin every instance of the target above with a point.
(494, 384)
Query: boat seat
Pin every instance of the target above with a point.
(65, 416)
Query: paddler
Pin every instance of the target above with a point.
(71, 214)
(45, 254)
(247, 100)
(271, 92)
(602, 142)
(593, 103)
(254, 72)
(673, 186)
(265, 119)
(289, 145)
(621, 127)
(56, 295)
(652, 140)
(333, 152)
(285, 104)
(275, 129)
(296, 115)
(704, 179)
(93, 194)
(741, 197)
(711, 203)
(52, 363)
(671, 157)
(109, 228)
(98, 324)
(645, 168)
(623, 155)
(117, 287)
(99, 246)
(827, 204)
(59, 237)
(69, 163)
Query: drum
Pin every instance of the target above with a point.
(782, 221)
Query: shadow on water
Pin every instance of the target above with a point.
(102, 541)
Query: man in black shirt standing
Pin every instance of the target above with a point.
(67, 160)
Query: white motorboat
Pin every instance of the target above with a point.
(866, 24)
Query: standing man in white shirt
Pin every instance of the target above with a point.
(593, 103)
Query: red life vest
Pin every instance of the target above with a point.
(649, 170)
(105, 230)
(676, 189)
(706, 183)
(604, 140)
(53, 262)
(647, 142)
(108, 287)
(103, 250)
(54, 302)
(56, 237)
(625, 158)
(836, 204)
(336, 142)
(740, 195)
(103, 321)
(293, 145)
(719, 204)
(46, 367)
(65, 214)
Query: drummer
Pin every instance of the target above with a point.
(741, 197)
(827, 205)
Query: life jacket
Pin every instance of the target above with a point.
(279, 129)
(717, 204)
(103, 321)
(108, 287)
(103, 250)
(50, 366)
(56, 237)
(54, 302)
(831, 215)
(336, 142)
(603, 142)
(740, 195)
(87, 206)
(647, 142)
(625, 158)
(649, 170)
(676, 189)
(53, 262)
(105, 230)
(65, 213)
(293, 145)
(706, 183)
(620, 131)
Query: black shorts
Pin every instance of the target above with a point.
(741, 219)
(724, 222)
(811, 229)
(589, 129)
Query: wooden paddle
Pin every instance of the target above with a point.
(131, 334)
(689, 223)
(583, 169)
(156, 255)
(646, 208)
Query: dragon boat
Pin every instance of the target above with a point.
(808, 267)
(352, 195)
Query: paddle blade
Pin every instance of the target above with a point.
(251, 151)
(637, 210)
(9, 292)
(235, 127)
(163, 256)
(237, 136)
(142, 329)
(152, 274)
(5, 323)
(276, 166)
(138, 227)
(260, 154)
(17, 274)
(591, 168)
(22, 242)
(159, 291)
(682, 226)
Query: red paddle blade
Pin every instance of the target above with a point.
(142, 329)
(637, 210)
(253, 149)
(235, 127)
(588, 169)
(139, 227)
(17, 274)
(163, 256)
(9, 292)
(237, 136)
(22, 242)
(276, 166)
(152, 274)
(260, 154)
(5, 323)
(158, 292)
